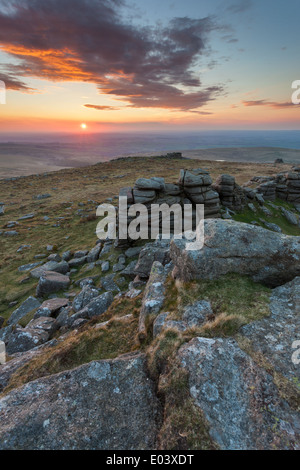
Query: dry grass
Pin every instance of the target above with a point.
(235, 300)
(90, 343)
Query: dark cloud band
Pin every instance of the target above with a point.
(90, 41)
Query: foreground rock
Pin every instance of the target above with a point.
(270, 258)
(239, 400)
(102, 405)
(274, 336)
(154, 297)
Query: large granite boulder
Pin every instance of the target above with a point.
(234, 247)
(240, 403)
(106, 405)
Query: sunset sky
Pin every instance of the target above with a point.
(148, 64)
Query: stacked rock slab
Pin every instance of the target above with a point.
(268, 190)
(194, 187)
(197, 187)
(231, 194)
(288, 186)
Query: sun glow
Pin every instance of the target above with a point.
(83, 126)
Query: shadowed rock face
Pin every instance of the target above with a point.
(239, 400)
(101, 405)
(270, 258)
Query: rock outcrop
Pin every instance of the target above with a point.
(231, 194)
(194, 187)
(270, 258)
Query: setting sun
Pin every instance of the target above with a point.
(83, 126)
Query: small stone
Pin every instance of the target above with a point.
(54, 257)
(27, 217)
(80, 254)
(252, 207)
(76, 262)
(66, 256)
(28, 267)
(105, 266)
(11, 233)
(41, 196)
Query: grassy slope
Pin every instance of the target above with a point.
(91, 186)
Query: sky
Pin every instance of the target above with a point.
(148, 65)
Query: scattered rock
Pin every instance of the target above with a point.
(109, 284)
(39, 197)
(55, 257)
(129, 271)
(26, 307)
(270, 226)
(94, 254)
(50, 307)
(27, 217)
(133, 251)
(290, 216)
(81, 253)
(76, 262)
(61, 268)
(11, 233)
(84, 298)
(28, 267)
(36, 332)
(51, 282)
(105, 266)
(66, 256)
